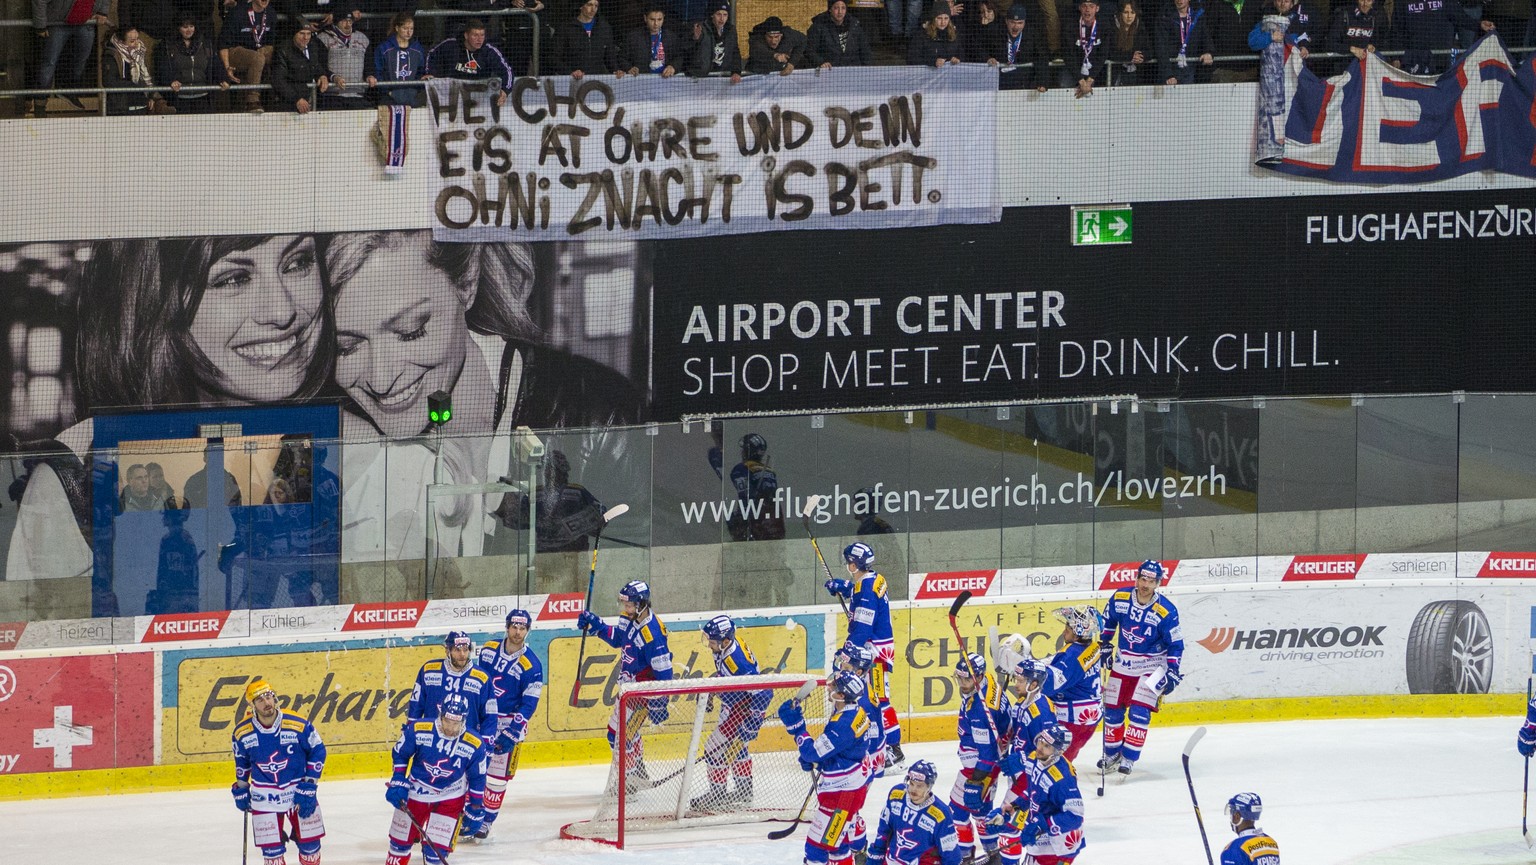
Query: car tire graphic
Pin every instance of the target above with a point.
(1450, 650)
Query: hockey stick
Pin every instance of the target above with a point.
(1525, 794)
(981, 682)
(245, 833)
(779, 834)
(425, 841)
(1104, 752)
(1189, 748)
(612, 514)
(811, 503)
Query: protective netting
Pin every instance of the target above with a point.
(703, 766)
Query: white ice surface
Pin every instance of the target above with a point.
(1381, 792)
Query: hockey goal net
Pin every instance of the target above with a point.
(702, 766)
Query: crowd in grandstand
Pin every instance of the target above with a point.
(377, 52)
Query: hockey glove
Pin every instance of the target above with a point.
(657, 710)
(973, 795)
(840, 588)
(474, 818)
(242, 794)
(807, 765)
(1172, 680)
(589, 622)
(790, 714)
(304, 798)
(1032, 831)
(1526, 743)
(398, 792)
(504, 742)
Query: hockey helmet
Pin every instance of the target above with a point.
(256, 688)
(753, 446)
(850, 685)
(637, 591)
(1056, 736)
(971, 665)
(720, 629)
(454, 706)
(923, 770)
(860, 556)
(860, 658)
(521, 617)
(1246, 806)
(1151, 569)
(1082, 619)
(1032, 670)
(455, 639)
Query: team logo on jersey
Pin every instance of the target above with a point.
(904, 842)
(274, 765)
(437, 770)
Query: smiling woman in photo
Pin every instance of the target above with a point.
(163, 323)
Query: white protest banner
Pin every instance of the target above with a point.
(648, 158)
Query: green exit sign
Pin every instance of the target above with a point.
(1101, 224)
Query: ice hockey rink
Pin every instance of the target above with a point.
(1363, 792)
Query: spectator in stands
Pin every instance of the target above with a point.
(774, 47)
(1020, 46)
(137, 494)
(1297, 33)
(517, 36)
(188, 60)
(297, 65)
(159, 487)
(1130, 46)
(717, 51)
(399, 58)
(982, 37)
(346, 53)
(837, 39)
(468, 58)
(1050, 26)
(1181, 37)
(1363, 30)
(1082, 48)
(65, 25)
(938, 42)
(125, 65)
(584, 45)
(1228, 23)
(653, 49)
(1426, 26)
(245, 45)
(905, 17)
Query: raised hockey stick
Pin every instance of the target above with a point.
(609, 516)
(811, 503)
(779, 834)
(1189, 748)
(1525, 794)
(981, 682)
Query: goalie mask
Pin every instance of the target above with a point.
(1083, 621)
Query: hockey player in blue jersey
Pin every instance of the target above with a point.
(455, 674)
(645, 657)
(278, 761)
(727, 751)
(1075, 685)
(1525, 742)
(517, 682)
(981, 754)
(869, 623)
(915, 827)
(439, 776)
(1050, 816)
(1028, 713)
(1252, 846)
(1149, 650)
(839, 753)
(860, 661)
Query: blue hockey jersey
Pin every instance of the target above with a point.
(644, 644)
(516, 683)
(1144, 630)
(436, 680)
(1075, 685)
(869, 617)
(909, 835)
(840, 750)
(977, 747)
(440, 768)
(1251, 847)
(274, 759)
(1054, 803)
(1025, 721)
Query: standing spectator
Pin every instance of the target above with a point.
(188, 60)
(938, 42)
(984, 37)
(653, 49)
(837, 39)
(1297, 34)
(1082, 39)
(346, 52)
(517, 36)
(469, 58)
(1130, 47)
(399, 58)
(584, 45)
(1363, 30)
(245, 45)
(717, 50)
(905, 17)
(773, 47)
(61, 25)
(1426, 26)
(1019, 46)
(1228, 22)
(125, 65)
(1179, 36)
(566, 516)
(297, 65)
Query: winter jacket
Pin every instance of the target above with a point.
(637, 51)
(839, 44)
(451, 59)
(389, 62)
(925, 50)
(348, 58)
(1140, 40)
(1356, 29)
(1085, 44)
(244, 27)
(760, 58)
(591, 53)
(46, 13)
(716, 52)
(1298, 33)
(293, 71)
(1173, 38)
